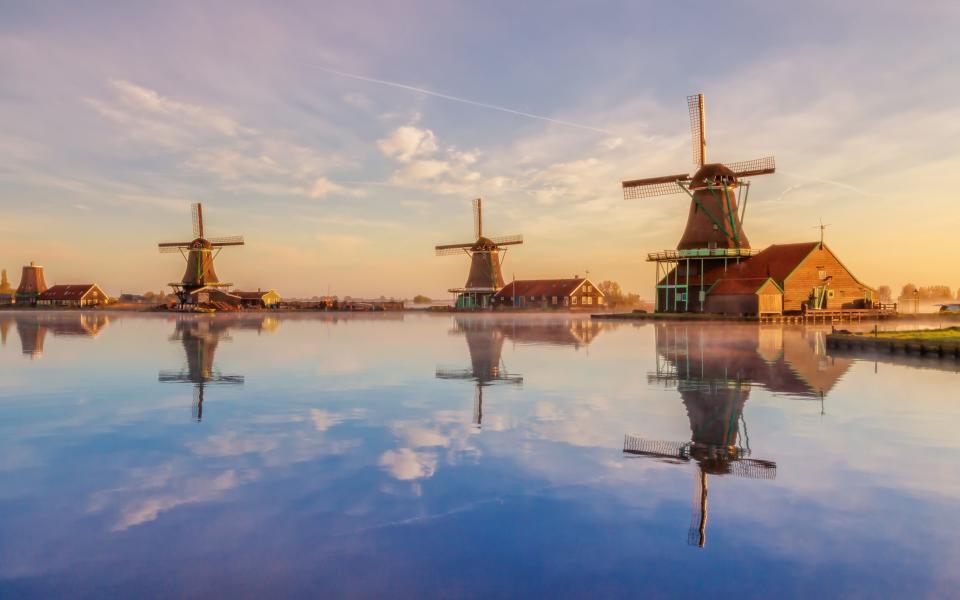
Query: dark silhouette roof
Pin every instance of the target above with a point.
(541, 287)
(748, 285)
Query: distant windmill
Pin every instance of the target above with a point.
(199, 254)
(485, 276)
(485, 344)
(199, 339)
(713, 220)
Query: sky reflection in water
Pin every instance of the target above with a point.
(411, 455)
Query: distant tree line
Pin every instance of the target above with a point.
(929, 292)
(615, 296)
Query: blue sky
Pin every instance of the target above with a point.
(114, 118)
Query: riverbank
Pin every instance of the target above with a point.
(925, 342)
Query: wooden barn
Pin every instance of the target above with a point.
(575, 293)
(781, 279)
(751, 296)
(73, 296)
(258, 299)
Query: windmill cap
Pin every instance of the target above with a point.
(712, 174)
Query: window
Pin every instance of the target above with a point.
(829, 293)
(599, 300)
(821, 273)
(573, 300)
(588, 299)
(554, 300)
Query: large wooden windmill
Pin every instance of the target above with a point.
(199, 254)
(485, 344)
(485, 276)
(713, 220)
(714, 232)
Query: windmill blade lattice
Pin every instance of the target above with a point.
(654, 186)
(506, 240)
(698, 128)
(750, 168)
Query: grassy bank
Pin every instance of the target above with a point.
(947, 334)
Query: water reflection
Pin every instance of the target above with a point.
(485, 345)
(33, 328)
(200, 338)
(485, 339)
(364, 462)
(714, 367)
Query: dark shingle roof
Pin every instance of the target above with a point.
(67, 292)
(541, 287)
(727, 286)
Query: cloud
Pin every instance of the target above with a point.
(408, 142)
(211, 142)
(405, 464)
(323, 187)
(421, 170)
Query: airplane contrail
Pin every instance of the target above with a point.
(411, 88)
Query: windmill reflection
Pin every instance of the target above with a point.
(714, 369)
(200, 337)
(485, 344)
(485, 339)
(33, 328)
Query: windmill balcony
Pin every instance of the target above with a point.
(701, 253)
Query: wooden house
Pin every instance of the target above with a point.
(575, 293)
(73, 296)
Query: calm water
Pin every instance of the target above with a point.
(418, 455)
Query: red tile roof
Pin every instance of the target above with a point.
(68, 292)
(541, 287)
(728, 286)
(776, 261)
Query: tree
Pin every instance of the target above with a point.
(421, 299)
(884, 293)
(908, 290)
(615, 296)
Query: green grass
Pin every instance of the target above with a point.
(947, 334)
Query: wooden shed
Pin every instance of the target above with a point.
(748, 296)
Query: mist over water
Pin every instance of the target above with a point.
(415, 455)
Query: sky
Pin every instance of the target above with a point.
(345, 140)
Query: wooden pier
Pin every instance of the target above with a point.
(853, 315)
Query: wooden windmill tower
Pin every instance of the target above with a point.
(485, 343)
(199, 339)
(718, 200)
(485, 276)
(199, 254)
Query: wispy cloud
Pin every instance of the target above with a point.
(452, 98)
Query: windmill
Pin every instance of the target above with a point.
(713, 220)
(485, 277)
(714, 229)
(199, 339)
(199, 254)
(485, 343)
